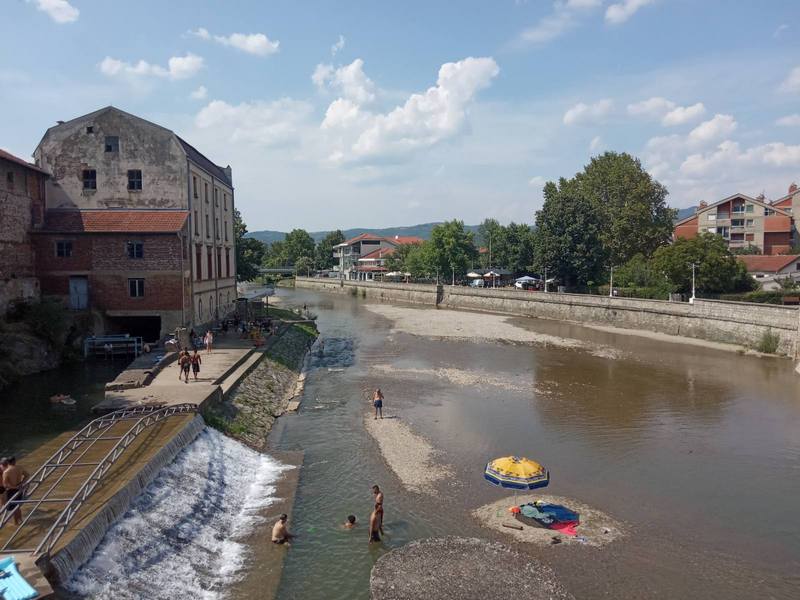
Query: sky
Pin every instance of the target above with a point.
(376, 114)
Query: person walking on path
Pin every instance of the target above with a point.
(209, 340)
(13, 480)
(375, 520)
(376, 491)
(195, 360)
(184, 363)
(280, 533)
(377, 402)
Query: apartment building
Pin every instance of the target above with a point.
(742, 221)
(116, 164)
(363, 256)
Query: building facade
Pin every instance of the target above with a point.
(742, 221)
(771, 271)
(22, 188)
(363, 256)
(113, 162)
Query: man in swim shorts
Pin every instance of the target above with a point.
(280, 533)
(377, 402)
(13, 478)
(375, 520)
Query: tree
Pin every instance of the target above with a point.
(746, 250)
(249, 251)
(717, 270)
(515, 248)
(630, 204)
(567, 238)
(398, 260)
(298, 243)
(303, 265)
(490, 234)
(450, 250)
(323, 254)
(275, 255)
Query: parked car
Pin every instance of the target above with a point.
(476, 283)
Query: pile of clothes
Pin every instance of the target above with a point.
(550, 516)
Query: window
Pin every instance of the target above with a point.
(737, 222)
(712, 230)
(225, 201)
(748, 208)
(10, 180)
(797, 266)
(216, 226)
(748, 222)
(206, 192)
(724, 231)
(228, 264)
(788, 209)
(198, 263)
(89, 179)
(768, 212)
(737, 237)
(136, 288)
(208, 228)
(219, 262)
(135, 249)
(135, 179)
(194, 186)
(738, 208)
(226, 231)
(210, 263)
(216, 191)
(63, 249)
(712, 216)
(90, 129)
(112, 143)
(216, 200)
(196, 232)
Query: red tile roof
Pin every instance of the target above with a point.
(767, 264)
(379, 253)
(115, 221)
(406, 239)
(11, 158)
(363, 236)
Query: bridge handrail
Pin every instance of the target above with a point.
(66, 449)
(85, 491)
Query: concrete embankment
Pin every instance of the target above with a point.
(739, 323)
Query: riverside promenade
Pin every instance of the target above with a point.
(155, 447)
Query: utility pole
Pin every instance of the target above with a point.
(691, 300)
(611, 284)
(454, 275)
(545, 280)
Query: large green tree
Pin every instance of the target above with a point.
(515, 251)
(323, 254)
(450, 251)
(716, 269)
(249, 251)
(298, 243)
(398, 261)
(490, 234)
(630, 204)
(567, 239)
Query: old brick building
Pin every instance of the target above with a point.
(125, 265)
(116, 164)
(21, 210)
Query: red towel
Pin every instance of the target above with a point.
(565, 527)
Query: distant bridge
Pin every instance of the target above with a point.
(276, 271)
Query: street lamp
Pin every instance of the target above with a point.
(693, 265)
(611, 284)
(545, 280)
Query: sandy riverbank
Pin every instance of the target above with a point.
(412, 458)
(474, 327)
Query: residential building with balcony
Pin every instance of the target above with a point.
(363, 257)
(742, 221)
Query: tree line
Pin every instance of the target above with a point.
(611, 215)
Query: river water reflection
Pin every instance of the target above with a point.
(696, 450)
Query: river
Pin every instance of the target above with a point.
(696, 450)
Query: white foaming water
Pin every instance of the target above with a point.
(180, 537)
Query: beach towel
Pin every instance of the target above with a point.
(550, 516)
(13, 585)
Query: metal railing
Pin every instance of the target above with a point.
(78, 446)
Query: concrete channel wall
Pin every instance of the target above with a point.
(713, 320)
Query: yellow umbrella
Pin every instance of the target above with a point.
(517, 473)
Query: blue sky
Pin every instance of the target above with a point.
(343, 114)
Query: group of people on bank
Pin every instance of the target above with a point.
(281, 535)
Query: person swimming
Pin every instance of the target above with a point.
(350, 522)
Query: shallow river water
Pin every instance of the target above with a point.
(696, 450)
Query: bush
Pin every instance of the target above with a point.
(46, 319)
(769, 342)
(761, 297)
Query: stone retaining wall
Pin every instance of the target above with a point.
(713, 320)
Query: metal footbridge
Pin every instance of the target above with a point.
(69, 480)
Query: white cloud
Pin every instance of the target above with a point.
(178, 67)
(61, 11)
(622, 11)
(588, 113)
(350, 81)
(252, 43)
(666, 110)
(258, 123)
(789, 121)
(596, 144)
(425, 119)
(718, 127)
(729, 156)
(338, 46)
(199, 94)
(792, 81)
(537, 182)
(779, 30)
(683, 114)
(564, 17)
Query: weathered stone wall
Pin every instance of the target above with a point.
(729, 322)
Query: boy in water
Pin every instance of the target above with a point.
(350, 523)
(280, 533)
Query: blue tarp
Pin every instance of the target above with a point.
(13, 585)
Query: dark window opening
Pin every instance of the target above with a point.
(135, 249)
(63, 249)
(225, 201)
(198, 261)
(112, 143)
(210, 263)
(134, 179)
(226, 231)
(219, 262)
(10, 180)
(228, 264)
(89, 179)
(216, 226)
(208, 228)
(136, 288)
(195, 223)
(194, 186)
(206, 191)
(90, 129)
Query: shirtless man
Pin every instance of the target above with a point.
(13, 478)
(184, 364)
(377, 402)
(375, 520)
(280, 533)
(378, 502)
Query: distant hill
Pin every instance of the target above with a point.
(423, 230)
(685, 212)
